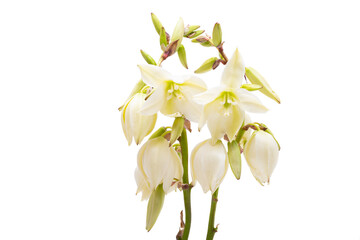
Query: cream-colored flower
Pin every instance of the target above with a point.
(134, 124)
(225, 106)
(171, 95)
(209, 164)
(261, 153)
(157, 164)
(143, 185)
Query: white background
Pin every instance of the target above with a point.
(66, 171)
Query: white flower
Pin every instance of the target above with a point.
(225, 106)
(172, 95)
(261, 153)
(134, 124)
(157, 164)
(209, 164)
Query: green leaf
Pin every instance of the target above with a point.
(154, 207)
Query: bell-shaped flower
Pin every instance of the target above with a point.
(157, 164)
(261, 153)
(225, 106)
(134, 124)
(209, 164)
(143, 185)
(171, 95)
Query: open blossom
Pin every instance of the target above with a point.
(171, 95)
(225, 106)
(209, 164)
(157, 164)
(261, 153)
(134, 124)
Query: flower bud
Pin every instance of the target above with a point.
(176, 129)
(159, 164)
(163, 39)
(178, 33)
(209, 163)
(134, 124)
(182, 56)
(156, 22)
(234, 154)
(251, 87)
(261, 153)
(190, 29)
(217, 35)
(207, 65)
(148, 58)
(154, 207)
(255, 78)
(196, 33)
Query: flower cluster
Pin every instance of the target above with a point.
(162, 162)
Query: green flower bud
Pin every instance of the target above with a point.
(251, 87)
(178, 33)
(156, 22)
(217, 35)
(196, 33)
(255, 78)
(163, 39)
(234, 155)
(182, 56)
(148, 58)
(189, 29)
(176, 129)
(154, 207)
(207, 65)
(158, 133)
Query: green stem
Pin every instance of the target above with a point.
(187, 191)
(211, 229)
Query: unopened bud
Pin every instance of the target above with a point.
(251, 87)
(190, 29)
(207, 65)
(217, 35)
(234, 155)
(148, 58)
(158, 133)
(178, 33)
(156, 22)
(176, 129)
(196, 33)
(182, 55)
(255, 78)
(154, 207)
(163, 39)
(200, 39)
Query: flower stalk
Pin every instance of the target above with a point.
(187, 191)
(211, 228)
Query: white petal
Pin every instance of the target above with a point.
(125, 122)
(249, 102)
(234, 71)
(143, 186)
(153, 75)
(193, 85)
(261, 153)
(209, 164)
(209, 95)
(141, 125)
(155, 102)
(174, 171)
(221, 121)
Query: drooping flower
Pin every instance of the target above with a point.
(134, 124)
(209, 164)
(157, 164)
(225, 106)
(171, 95)
(261, 153)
